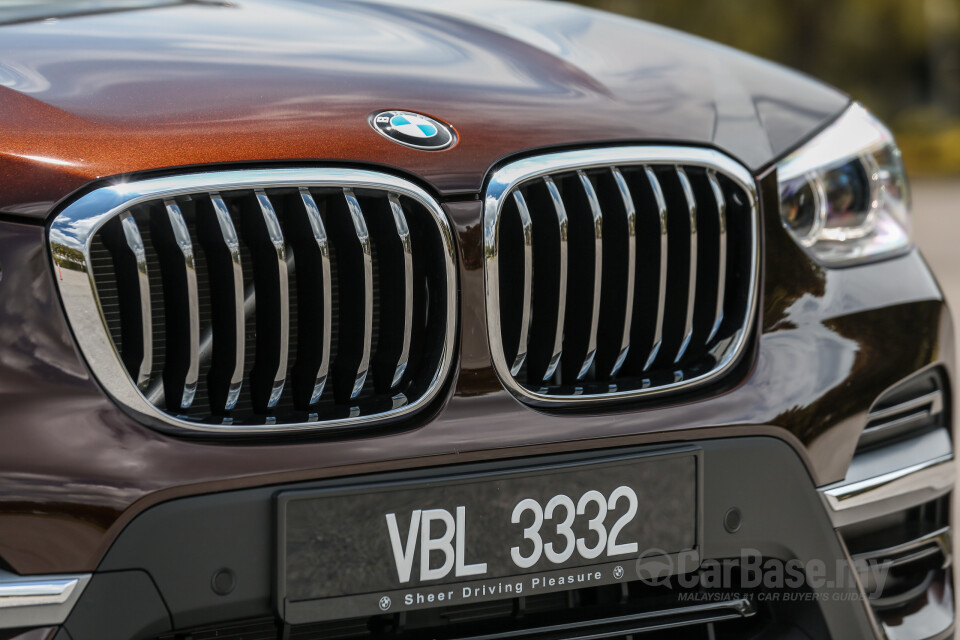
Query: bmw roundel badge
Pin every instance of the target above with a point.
(414, 130)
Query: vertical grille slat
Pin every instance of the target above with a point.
(526, 226)
(279, 313)
(562, 225)
(313, 358)
(230, 240)
(692, 287)
(661, 214)
(263, 301)
(131, 233)
(721, 204)
(597, 219)
(403, 233)
(184, 367)
(641, 311)
(353, 361)
(630, 266)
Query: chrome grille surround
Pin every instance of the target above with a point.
(505, 185)
(74, 229)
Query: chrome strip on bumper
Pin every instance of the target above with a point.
(889, 492)
(33, 601)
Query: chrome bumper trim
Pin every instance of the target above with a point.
(890, 492)
(33, 601)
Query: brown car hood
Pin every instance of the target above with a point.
(257, 81)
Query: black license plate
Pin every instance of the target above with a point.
(455, 540)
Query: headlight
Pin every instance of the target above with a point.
(844, 194)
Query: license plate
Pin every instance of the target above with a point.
(455, 540)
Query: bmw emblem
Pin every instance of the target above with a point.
(414, 130)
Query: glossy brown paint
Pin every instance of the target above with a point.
(74, 469)
(89, 97)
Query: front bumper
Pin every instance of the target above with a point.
(160, 574)
(162, 578)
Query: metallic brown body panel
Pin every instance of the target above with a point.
(201, 84)
(74, 469)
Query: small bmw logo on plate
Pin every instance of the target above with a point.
(414, 130)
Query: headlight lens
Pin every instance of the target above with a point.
(844, 194)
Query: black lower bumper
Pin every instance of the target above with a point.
(164, 574)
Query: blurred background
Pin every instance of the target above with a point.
(900, 58)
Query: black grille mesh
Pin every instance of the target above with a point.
(617, 612)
